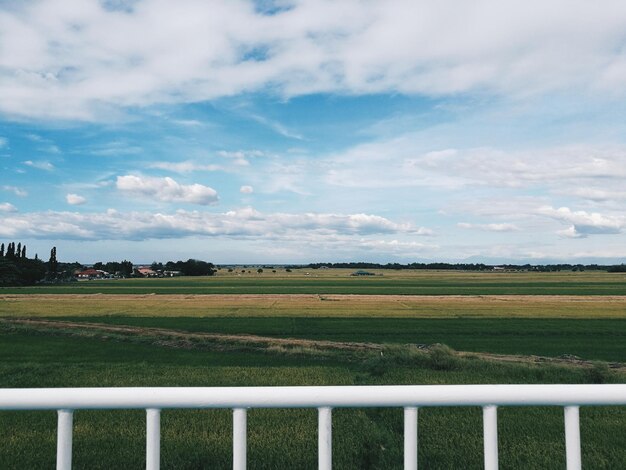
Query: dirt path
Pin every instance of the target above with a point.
(214, 341)
(184, 339)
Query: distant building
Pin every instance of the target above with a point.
(145, 271)
(172, 273)
(362, 273)
(92, 274)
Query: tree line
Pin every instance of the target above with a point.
(16, 269)
(191, 267)
(468, 266)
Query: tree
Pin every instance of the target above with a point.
(126, 268)
(24, 251)
(18, 252)
(53, 264)
(155, 266)
(260, 270)
(2, 251)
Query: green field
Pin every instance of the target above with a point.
(286, 438)
(588, 339)
(581, 314)
(339, 281)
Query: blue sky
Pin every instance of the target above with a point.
(287, 132)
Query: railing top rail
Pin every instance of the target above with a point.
(310, 397)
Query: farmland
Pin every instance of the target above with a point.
(322, 328)
(339, 281)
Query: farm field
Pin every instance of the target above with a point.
(279, 438)
(339, 281)
(90, 334)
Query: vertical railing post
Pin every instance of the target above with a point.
(325, 438)
(239, 438)
(65, 420)
(410, 438)
(490, 436)
(572, 438)
(153, 439)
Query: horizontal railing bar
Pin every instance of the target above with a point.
(311, 397)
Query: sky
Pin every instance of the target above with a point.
(314, 131)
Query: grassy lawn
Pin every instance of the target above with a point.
(362, 438)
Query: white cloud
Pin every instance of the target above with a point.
(595, 193)
(59, 58)
(3, 142)
(188, 122)
(494, 227)
(241, 157)
(166, 189)
(75, 199)
(584, 223)
(276, 127)
(15, 190)
(113, 149)
(50, 148)
(242, 223)
(184, 167)
(7, 207)
(40, 165)
(592, 172)
(246, 190)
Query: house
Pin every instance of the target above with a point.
(146, 271)
(91, 273)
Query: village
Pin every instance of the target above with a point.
(90, 274)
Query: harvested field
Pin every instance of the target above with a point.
(340, 281)
(309, 305)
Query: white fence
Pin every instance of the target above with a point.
(409, 397)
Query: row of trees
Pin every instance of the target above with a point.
(122, 268)
(13, 252)
(191, 267)
(469, 266)
(16, 269)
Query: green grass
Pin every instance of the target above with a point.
(340, 282)
(595, 339)
(362, 438)
(530, 438)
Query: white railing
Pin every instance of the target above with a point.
(409, 397)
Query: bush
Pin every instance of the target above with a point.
(599, 373)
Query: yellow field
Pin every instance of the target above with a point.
(294, 305)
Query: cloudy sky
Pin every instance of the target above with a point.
(298, 131)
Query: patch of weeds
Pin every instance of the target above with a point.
(443, 357)
(599, 373)
(436, 357)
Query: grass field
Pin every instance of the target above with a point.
(584, 315)
(286, 438)
(331, 281)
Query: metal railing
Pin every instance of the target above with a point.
(409, 397)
